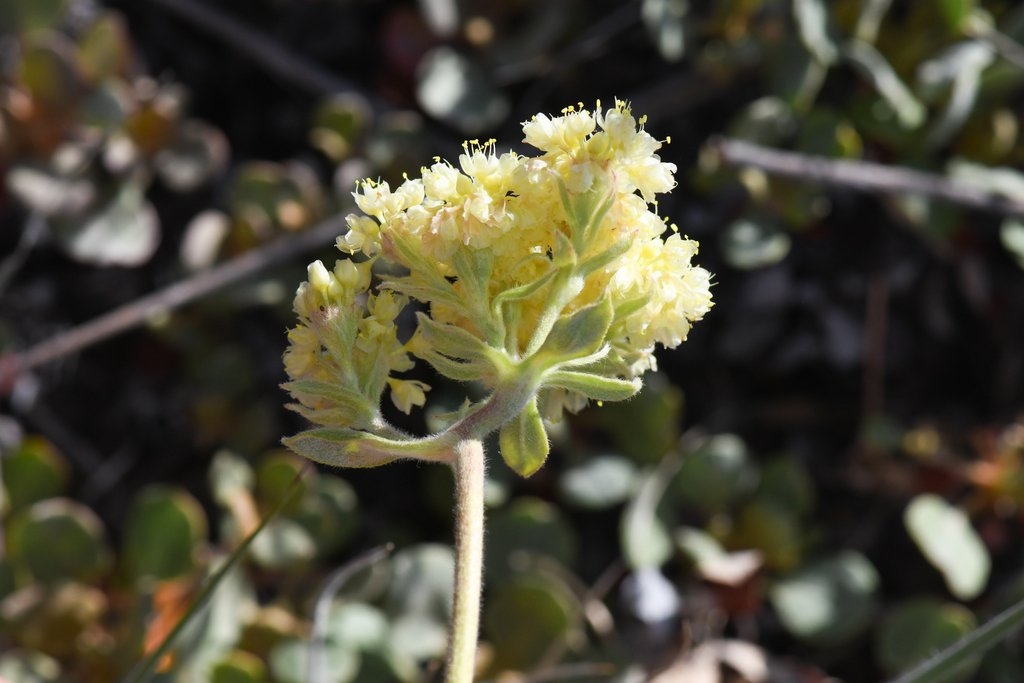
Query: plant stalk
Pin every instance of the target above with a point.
(469, 470)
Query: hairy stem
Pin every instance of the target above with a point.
(469, 559)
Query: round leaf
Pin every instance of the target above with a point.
(754, 242)
(358, 626)
(337, 124)
(282, 544)
(35, 15)
(919, 628)
(644, 538)
(600, 482)
(531, 526)
(49, 73)
(289, 661)
(457, 91)
(421, 583)
(275, 475)
(787, 485)
(419, 637)
(164, 530)
(123, 231)
(329, 512)
(239, 667)
(24, 666)
(830, 601)
(717, 473)
(775, 531)
(197, 153)
(525, 617)
(58, 540)
(945, 536)
(104, 49)
(33, 472)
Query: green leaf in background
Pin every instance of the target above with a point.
(164, 532)
(1011, 234)
(697, 545)
(289, 660)
(1002, 180)
(828, 602)
(123, 230)
(786, 484)
(454, 89)
(796, 76)
(275, 477)
(644, 428)
(812, 18)
(532, 526)
(599, 482)
(524, 441)
(419, 637)
(643, 536)
(283, 544)
(966, 62)
(239, 667)
(50, 192)
(23, 666)
(665, 21)
(754, 242)
(229, 474)
(870, 19)
(910, 113)
(358, 625)
(104, 49)
(827, 132)
(716, 473)
(59, 540)
(988, 137)
(329, 511)
(49, 72)
(765, 121)
(774, 530)
(33, 472)
(421, 581)
(35, 15)
(956, 12)
(945, 536)
(918, 628)
(338, 123)
(197, 153)
(525, 618)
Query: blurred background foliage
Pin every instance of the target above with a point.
(824, 483)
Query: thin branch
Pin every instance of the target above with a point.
(265, 51)
(861, 175)
(317, 662)
(562, 673)
(1008, 48)
(137, 312)
(35, 227)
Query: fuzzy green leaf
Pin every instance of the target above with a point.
(343, 397)
(524, 442)
(580, 333)
(452, 340)
(592, 386)
(350, 448)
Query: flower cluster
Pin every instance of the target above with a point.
(545, 278)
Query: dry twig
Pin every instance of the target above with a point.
(137, 312)
(861, 175)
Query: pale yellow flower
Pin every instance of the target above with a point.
(518, 261)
